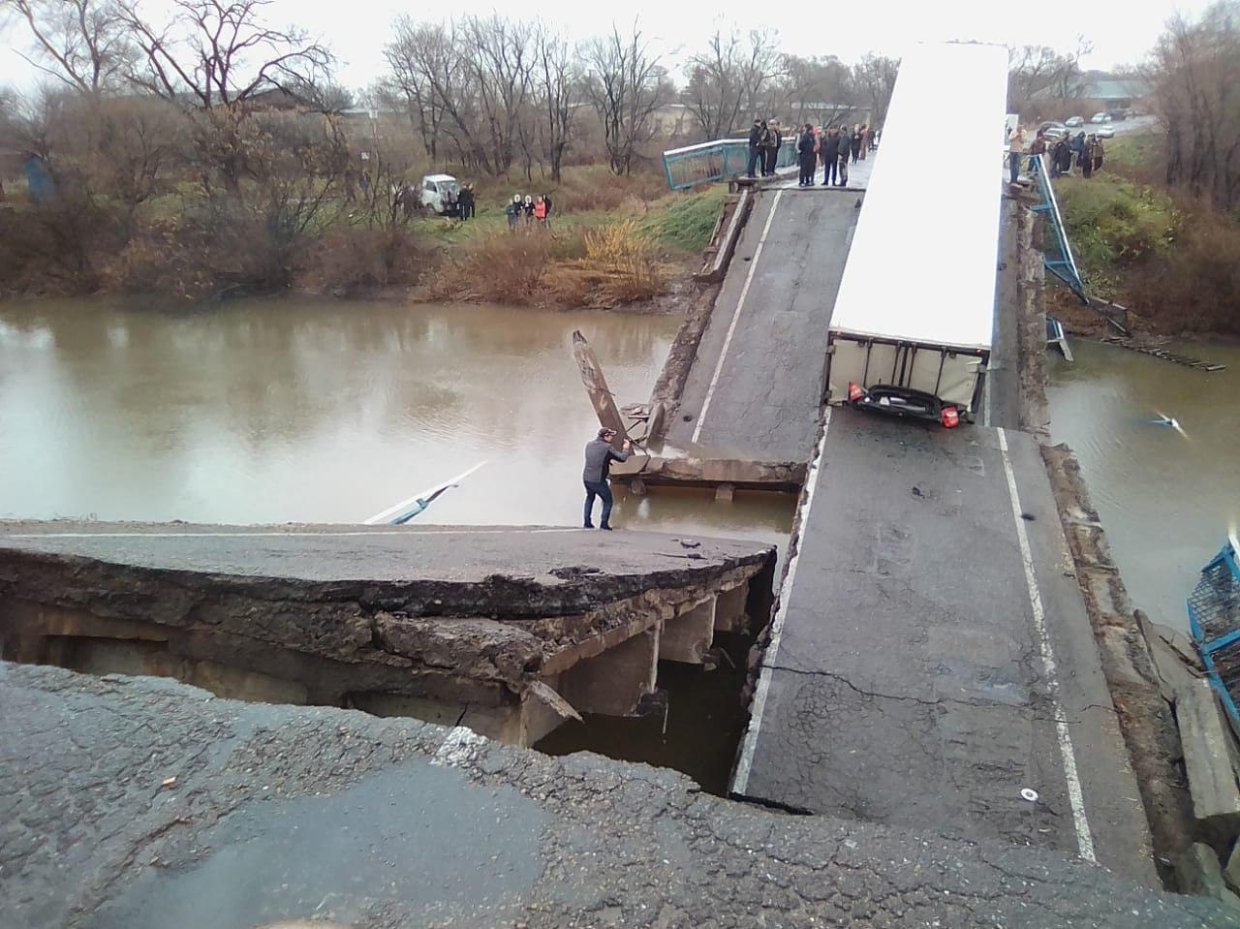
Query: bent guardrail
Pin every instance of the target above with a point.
(719, 160)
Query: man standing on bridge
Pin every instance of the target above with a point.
(599, 456)
(756, 153)
(805, 149)
(829, 151)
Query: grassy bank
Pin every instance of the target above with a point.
(613, 241)
(1172, 259)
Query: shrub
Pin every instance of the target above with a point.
(348, 259)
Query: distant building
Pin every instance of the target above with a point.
(1115, 92)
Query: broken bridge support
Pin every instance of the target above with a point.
(596, 386)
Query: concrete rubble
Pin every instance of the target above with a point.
(282, 813)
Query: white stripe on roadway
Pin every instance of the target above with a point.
(740, 783)
(740, 305)
(1076, 797)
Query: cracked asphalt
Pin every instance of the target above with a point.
(135, 802)
(908, 686)
(765, 405)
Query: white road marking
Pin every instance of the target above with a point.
(740, 783)
(1076, 796)
(740, 305)
(273, 535)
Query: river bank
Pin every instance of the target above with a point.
(1172, 259)
(610, 243)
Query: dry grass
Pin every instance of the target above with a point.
(602, 267)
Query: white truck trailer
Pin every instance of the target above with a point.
(913, 322)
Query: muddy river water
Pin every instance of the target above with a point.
(1166, 497)
(322, 412)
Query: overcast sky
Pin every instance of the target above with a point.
(357, 29)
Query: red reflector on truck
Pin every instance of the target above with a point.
(950, 417)
(855, 392)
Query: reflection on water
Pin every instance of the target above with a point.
(1166, 499)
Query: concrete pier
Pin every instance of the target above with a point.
(506, 630)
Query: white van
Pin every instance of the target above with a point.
(439, 193)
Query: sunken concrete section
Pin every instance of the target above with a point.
(755, 390)
(134, 803)
(505, 630)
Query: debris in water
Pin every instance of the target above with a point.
(169, 781)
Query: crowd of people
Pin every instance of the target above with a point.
(529, 212)
(833, 146)
(1082, 152)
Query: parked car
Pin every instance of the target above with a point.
(1118, 116)
(1105, 131)
(439, 193)
(1074, 122)
(1099, 118)
(1053, 131)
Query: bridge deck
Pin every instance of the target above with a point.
(753, 392)
(907, 680)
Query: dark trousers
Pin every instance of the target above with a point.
(602, 490)
(772, 155)
(755, 156)
(1014, 165)
(830, 169)
(808, 162)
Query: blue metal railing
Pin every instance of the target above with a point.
(1057, 250)
(1214, 621)
(716, 161)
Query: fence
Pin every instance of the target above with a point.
(716, 161)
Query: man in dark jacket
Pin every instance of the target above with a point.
(774, 139)
(755, 147)
(599, 456)
(805, 152)
(829, 151)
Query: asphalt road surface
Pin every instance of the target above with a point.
(547, 555)
(755, 388)
(918, 677)
(134, 803)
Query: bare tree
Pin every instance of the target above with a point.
(557, 86)
(468, 84)
(626, 85)
(725, 80)
(1196, 78)
(1039, 71)
(875, 76)
(82, 43)
(426, 71)
(220, 52)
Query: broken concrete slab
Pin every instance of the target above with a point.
(1231, 874)
(382, 618)
(1197, 871)
(1207, 760)
(784, 476)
